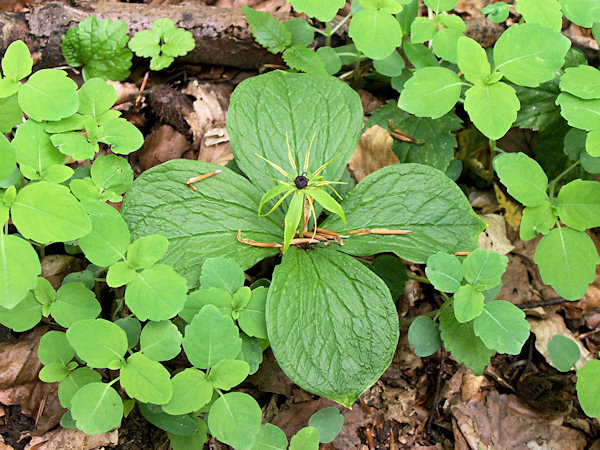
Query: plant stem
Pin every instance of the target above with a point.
(418, 278)
(328, 34)
(357, 68)
(410, 319)
(341, 23)
(552, 184)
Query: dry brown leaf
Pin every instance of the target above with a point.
(296, 416)
(545, 329)
(20, 385)
(374, 152)
(56, 267)
(209, 108)
(483, 424)
(512, 213)
(215, 147)
(163, 144)
(494, 237)
(516, 287)
(369, 102)
(124, 90)
(61, 439)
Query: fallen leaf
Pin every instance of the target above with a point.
(215, 147)
(62, 439)
(56, 267)
(163, 144)
(516, 287)
(374, 152)
(494, 237)
(512, 213)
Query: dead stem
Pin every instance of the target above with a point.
(363, 231)
(200, 178)
(256, 243)
(462, 253)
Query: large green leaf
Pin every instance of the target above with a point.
(376, 33)
(324, 11)
(331, 322)
(530, 54)
(408, 197)
(578, 204)
(19, 268)
(544, 12)
(582, 12)
(581, 81)
(578, 112)
(492, 108)
(200, 224)
(304, 106)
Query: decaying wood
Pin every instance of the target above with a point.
(222, 35)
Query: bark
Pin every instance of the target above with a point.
(222, 35)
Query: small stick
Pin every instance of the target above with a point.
(316, 236)
(326, 232)
(256, 243)
(298, 241)
(200, 178)
(462, 253)
(142, 88)
(370, 439)
(362, 231)
(401, 135)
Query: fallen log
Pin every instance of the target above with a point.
(222, 35)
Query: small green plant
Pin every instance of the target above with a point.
(100, 46)
(163, 43)
(473, 326)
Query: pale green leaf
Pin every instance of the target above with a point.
(270, 437)
(147, 251)
(422, 30)
(588, 388)
(73, 382)
(17, 61)
(468, 303)
(323, 11)
(146, 380)
(578, 204)
(582, 12)
(34, 148)
(98, 342)
(228, 373)
(74, 302)
(304, 60)
(49, 95)
(472, 60)
(492, 108)
(96, 408)
(502, 327)
(445, 43)
(376, 33)
(484, 269)
(267, 30)
(252, 317)
(523, 177)
(191, 391)
(439, 6)
(544, 12)
(234, 419)
(536, 220)
(19, 268)
(444, 271)
(8, 159)
(96, 97)
(24, 316)
(160, 341)
(305, 439)
(122, 136)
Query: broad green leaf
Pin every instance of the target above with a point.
(97, 408)
(202, 224)
(431, 92)
(544, 12)
(8, 87)
(580, 113)
(468, 303)
(329, 422)
(49, 95)
(157, 293)
(270, 437)
(408, 197)
(120, 274)
(34, 148)
(331, 59)
(122, 136)
(422, 30)
(564, 352)
(160, 341)
(588, 388)
(304, 59)
(252, 317)
(391, 66)
(578, 204)
(292, 218)
(228, 373)
(267, 30)
(303, 107)
(98, 342)
(323, 11)
(391, 6)
(177, 42)
(234, 419)
(96, 97)
(240, 299)
(472, 60)
(592, 145)
(57, 173)
(436, 142)
(302, 33)
(581, 81)
(181, 425)
(582, 12)
(8, 158)
(484, 269)
(17, 61)
(453, 21)
(74, 302)
(536, 220)
(53, 373)
(439, 6)
(19, 268)
(376, 33)
(444, 271)
(146, 380)
(211, 337)
(305, 308)
(392, 271)
(147, 251)
(145, 43)
(55, 348)
(420, 56)
(567, 261)
(109, 238)
(424, 336)
(492, 108)
(445, 42)
(47, 212)
(132, 328)
(530, 53)
(250, 352)
(502, 327)
(73, 382)
(523, 177)
(222, 273)
(463, 343)
(199, 299)
(191, 391)
(305, 439)
(24, 316)
(161, 62)
(10, 113)
(112, 172)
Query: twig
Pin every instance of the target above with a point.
(370, 442)
(543, 303)
(138, 99)
(200, 178)
(462, 253)
(363, 231)
(438, 389)
(256, 243)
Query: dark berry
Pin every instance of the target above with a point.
(301, 181)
